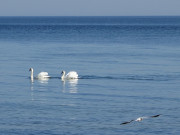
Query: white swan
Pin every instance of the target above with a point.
(41, 75)
(70, 75)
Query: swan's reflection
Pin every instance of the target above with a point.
(43, 80)
(32, 80)
(71, 85)
(32, 89)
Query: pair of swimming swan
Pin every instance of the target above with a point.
(44, 75)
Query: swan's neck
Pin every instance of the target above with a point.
(31, 74)
(63, 75)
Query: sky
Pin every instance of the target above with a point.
(89, 7)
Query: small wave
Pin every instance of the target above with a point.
(96, 77)
(129, 77)
(133, 77)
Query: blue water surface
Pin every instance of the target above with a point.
(128, 67)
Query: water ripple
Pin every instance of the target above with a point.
(134, 77)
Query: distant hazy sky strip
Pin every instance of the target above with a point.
(89, 7)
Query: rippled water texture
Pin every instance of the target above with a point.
(128, 67)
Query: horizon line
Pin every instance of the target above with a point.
(90, 16)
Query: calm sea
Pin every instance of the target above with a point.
(128, 67)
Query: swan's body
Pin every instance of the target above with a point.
(70, 75)
(41, 75)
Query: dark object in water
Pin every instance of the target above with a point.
(156, 116)
(126, 122)
(140, 119)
